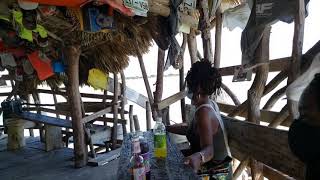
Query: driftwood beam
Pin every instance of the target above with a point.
(218, 34)
(294, 71)
(274, 98)
(243, 164)
(123, 100)
(159, 83)
(131, 118)
(192, 46)
(205, 31)
(255, 94)
(148, 115)
(283, 115)
(231, 94)
(115, 112)
(181, 77)
(170, 100)
(73, 54)
(96, 115)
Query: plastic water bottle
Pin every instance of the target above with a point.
(160, 139)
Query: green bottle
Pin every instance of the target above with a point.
(160, 139)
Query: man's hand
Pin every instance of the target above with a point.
(194, 161)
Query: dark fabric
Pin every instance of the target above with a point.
(303, 141)
(264, 13)
(313, 171)
(173, 53)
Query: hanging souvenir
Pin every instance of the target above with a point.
(25, 33)
(117, 4)
(27, 67)
(188, 16)
(19, 73)
(67, 3)
(97, 18)
(29, 17)
(47, 10)
(98, 79)
(58, 67)
(42, 65)
(139, 7)
(7, 60)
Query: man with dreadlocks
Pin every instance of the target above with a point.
(209, 154)
(304, 132)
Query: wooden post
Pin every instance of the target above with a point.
(217, 47)
(115, 112)
(104, 101)
(15, 134)
(243, 164)
(131, 118)
(53, 133)
(36, 100)
(296, 53)
(136, 123)
(255, 94)
(146, 83)
(123, 101)
(159, 82)
(181, 78)
(205, 31)
(148, 115)
(31, 132)
(192, 46)
(283, 115)
(72, 54)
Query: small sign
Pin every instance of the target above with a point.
(140, 7)
(240, 75)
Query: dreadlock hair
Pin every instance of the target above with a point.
(203, 75)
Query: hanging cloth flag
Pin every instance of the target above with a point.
(41, 64)
(98, 79)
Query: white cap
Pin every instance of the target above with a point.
(27, 5)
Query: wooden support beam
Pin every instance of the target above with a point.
(123, 101)
(170, 100)
(192, 46)
(136, 123)
(145, 78)
(95, 115)
(218, 35)
(131, 118)
(294, 71)
(269, 87)
(256, 92)
(181, 78)
(274, 98)
(148, 116)
(243, 164)
(205, 31)
(274, 66)
(159, 83)
(72, 55)
(267, 145)
(115, 112)
(283, 115)
(231, 94)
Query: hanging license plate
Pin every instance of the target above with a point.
(139, 5)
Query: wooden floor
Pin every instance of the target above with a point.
(33, 163)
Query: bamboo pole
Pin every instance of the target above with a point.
(73, 53)
(255, 94)
(274, 98)
(296, 53)
(115, 112)
(218, 34)
(181, 78)
(192, 46)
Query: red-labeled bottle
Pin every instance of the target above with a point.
(137, 167)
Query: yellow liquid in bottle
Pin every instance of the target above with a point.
(160, 146)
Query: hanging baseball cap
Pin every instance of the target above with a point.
(27, 5)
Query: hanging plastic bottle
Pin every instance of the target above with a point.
(160, 139)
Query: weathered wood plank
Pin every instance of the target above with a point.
(39, 118)
(267, 145)
(170, 100)
(103, 159)
(96, 115)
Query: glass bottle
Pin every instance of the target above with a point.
(136, 161)
(145, 153)
(160, 139)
